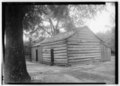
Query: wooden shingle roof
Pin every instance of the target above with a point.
(60, 36)
(65, 35)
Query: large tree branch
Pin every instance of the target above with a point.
(52, 26)
(57, 24)
(44, 30)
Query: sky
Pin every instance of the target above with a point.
(103, 22)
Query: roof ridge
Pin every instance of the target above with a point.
(57, 37)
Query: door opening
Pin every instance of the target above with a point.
(36, 55)
(52, 57)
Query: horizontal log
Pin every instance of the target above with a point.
(60, 48)
(46, 48)
(61, 62)
(83, 46)
(46, 57)
(78, 57)
(82, 43)
(46, 54)
(56, 61)
(46, 51)
(54, 46)
(87, 54)
(84, 59)
(55, 56)
(56, 50)
(84, 55)
(60, 51)
(83, 52)
(64, 56)
(73, 54)
(60, 57)
(60, 54)
(79, 60)
(46, 60)
(84, 49)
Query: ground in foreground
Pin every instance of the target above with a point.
(92, 73)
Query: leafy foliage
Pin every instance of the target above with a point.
(80, 13)
(41, 14)
(109, 38)
(46, 20)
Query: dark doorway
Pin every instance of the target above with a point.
(36, 55)
(52, 57)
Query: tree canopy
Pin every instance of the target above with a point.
(109, 38)
(80, 13)
(47, 20)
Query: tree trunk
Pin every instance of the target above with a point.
(30, 39)
(55, 29)
(14, 65)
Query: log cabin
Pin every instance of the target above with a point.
(79, 46)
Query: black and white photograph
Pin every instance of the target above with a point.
(60, 43)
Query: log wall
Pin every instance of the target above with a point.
(60, 52)
(39, 48)
(105, 53)
(34, 53)
(40, 54)
(83, 52)
(83, 47)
